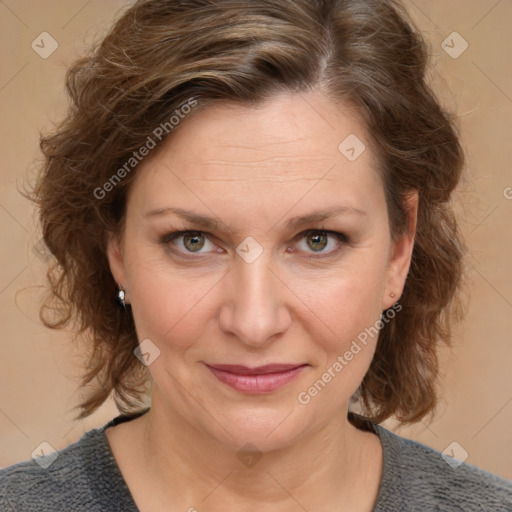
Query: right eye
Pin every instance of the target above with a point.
(187, 242)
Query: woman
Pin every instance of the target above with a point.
(249, 208)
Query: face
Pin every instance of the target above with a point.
(252, 239)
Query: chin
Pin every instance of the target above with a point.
(266, 429)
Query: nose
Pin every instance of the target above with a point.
(254, 307)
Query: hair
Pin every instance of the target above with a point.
(159, 55)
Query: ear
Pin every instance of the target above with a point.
(116, 259)
(401, 254)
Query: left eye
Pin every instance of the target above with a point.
(319, 240)
(316, 240)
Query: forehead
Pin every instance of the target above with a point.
(280, 149)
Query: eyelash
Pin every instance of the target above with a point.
(342, 238)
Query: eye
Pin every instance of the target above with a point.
(191, 241)
(316, 241)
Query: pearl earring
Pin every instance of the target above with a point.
(392, 295)
(120, 298)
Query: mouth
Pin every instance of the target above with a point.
(258, 380)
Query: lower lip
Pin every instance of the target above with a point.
(256, 384)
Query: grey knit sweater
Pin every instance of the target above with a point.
(85, 478)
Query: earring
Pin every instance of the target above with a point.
(120, 298)
(392, 295)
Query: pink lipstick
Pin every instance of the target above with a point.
(261, 379)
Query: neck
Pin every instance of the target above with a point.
(325, 466)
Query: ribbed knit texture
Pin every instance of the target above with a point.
(86, 478)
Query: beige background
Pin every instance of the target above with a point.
(39, 368)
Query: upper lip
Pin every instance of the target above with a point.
(257, 370)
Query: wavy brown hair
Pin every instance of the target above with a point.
(157, 56)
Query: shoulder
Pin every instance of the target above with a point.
(424, 477)
(66, 478)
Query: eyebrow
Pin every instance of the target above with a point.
(323, 215)
(294, 222)
(192, 217)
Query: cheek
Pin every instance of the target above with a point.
(344, 341)
(345, 305)
(169, 306)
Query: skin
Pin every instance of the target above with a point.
(252, 169)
